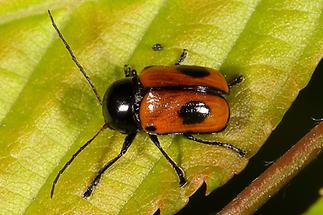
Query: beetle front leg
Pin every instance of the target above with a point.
(61, 171)
(127, 142)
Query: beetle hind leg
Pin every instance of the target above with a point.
(179, 171)
(241, 152)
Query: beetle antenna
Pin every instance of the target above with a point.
(241, 152)
(72, 158)
(74, 58)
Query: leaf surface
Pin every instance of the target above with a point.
(47, 110)
(317, 207)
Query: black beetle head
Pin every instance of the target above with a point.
(118, 106)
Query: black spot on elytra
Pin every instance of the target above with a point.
(194, 112)
(150, 128)
(194, 71)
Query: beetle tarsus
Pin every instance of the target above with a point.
(179, 171)
(182, 57)
(235, 81)
(72, 158)
(127, 142)
(88, 192)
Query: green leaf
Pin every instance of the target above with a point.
(48, 111)
(317, 207)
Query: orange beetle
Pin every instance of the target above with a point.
(176, 99)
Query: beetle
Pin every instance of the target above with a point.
(177, 99)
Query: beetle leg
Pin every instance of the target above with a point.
(73, 157)
(127, 142)
(182, 57)
(235, 81)
(179, 171)
(241, 152)
(129, 72)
